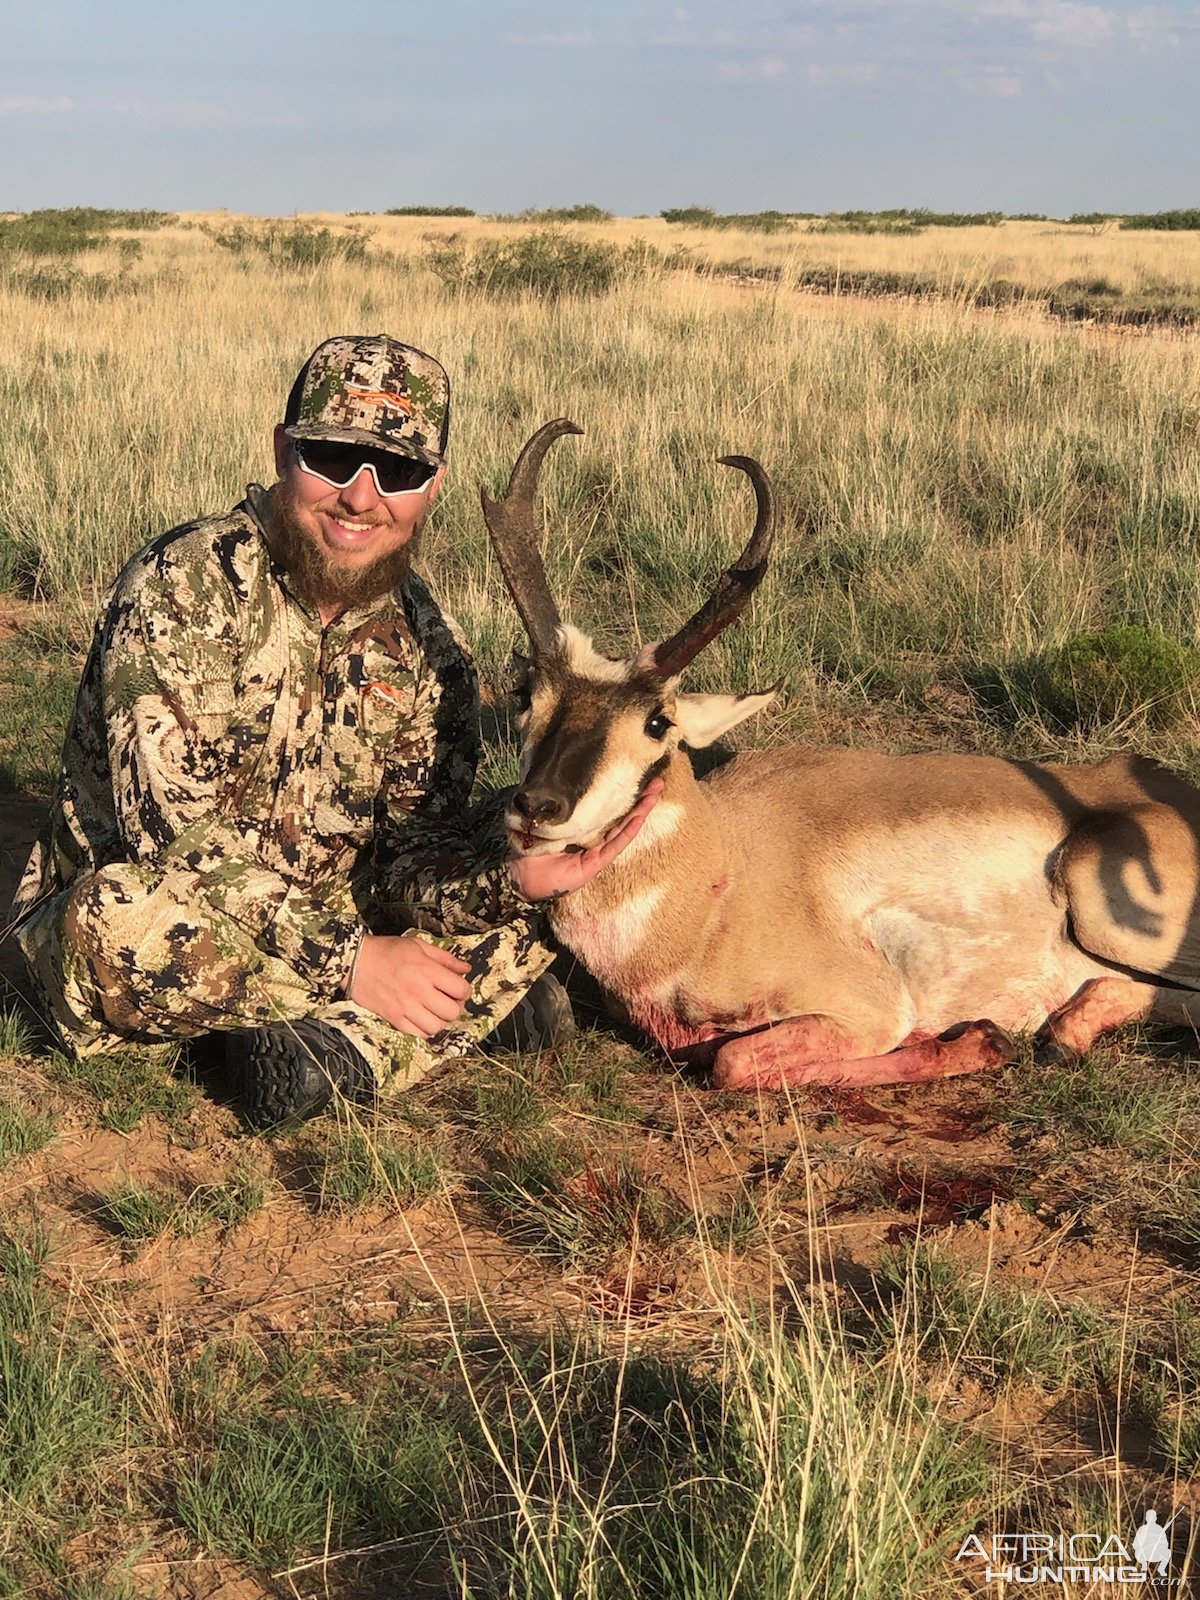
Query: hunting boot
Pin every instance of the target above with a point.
(289, 1072)
(541, 1020)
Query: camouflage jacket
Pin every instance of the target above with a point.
(315, 780)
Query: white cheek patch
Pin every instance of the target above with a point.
(610, 797)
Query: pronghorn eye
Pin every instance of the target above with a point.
(657, 726)
(522, 672)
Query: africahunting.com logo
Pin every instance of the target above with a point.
(1091, 1558)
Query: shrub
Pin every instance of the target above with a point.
(67, 232)
(862, 222)
(298, 245)
(1104, 677)
(747, 221)
(1170, 221)
(58, 280)
(693, 216)
(546, 263)
(584, 213)
(429, 211)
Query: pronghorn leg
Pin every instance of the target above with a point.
(790, 1053)
(1098, 1007)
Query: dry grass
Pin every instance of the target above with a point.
(1035, 254)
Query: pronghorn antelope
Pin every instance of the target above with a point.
(836, 916)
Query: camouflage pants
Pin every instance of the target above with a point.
(132, 953)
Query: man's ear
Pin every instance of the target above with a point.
(436, 484)
(701, 718)
(282, 447)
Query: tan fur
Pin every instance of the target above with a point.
(895, 895)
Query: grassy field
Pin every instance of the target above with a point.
(576, 1326)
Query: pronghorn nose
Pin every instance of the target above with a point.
(541, 805)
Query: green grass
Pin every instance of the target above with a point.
(129, 1085)
(1099, 1100)
(1002, 1336)
(554, 1469)
(61, 1423)
(36, 700)
(574, 1206)
(22, 1132)
(356, 1167)
(1126, 675)
(16, 1034)
(139, 1213)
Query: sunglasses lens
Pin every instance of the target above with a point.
(399, 473)
(340, 463)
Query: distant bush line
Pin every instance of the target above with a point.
(911, 220)
(1169, 221)
(584, 213)
(429, 211)
(1166, 221)
(1074, 300)
(67, 232)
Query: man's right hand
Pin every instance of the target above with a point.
(417, 987)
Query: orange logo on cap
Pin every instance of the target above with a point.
(380, 397)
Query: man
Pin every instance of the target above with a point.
(263, 825)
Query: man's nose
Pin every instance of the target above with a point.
(360, 494)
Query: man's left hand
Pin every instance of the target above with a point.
(544, 877)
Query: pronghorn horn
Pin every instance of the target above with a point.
(510, 522)
(735, 586)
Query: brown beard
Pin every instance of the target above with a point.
(318, 579)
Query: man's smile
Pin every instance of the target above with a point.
(345, 533)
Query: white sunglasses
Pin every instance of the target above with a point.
(339, 464)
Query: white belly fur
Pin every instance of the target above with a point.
(1014, 979)
(967, 919)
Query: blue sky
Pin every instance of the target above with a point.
(1042, 105)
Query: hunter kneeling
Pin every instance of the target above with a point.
(263, 828)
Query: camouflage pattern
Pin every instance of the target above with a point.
(374, 390)
(244, 793)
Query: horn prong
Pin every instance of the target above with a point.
(734, 587)
(510, 523)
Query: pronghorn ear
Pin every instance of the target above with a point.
(701, 718)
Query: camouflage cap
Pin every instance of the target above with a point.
(369, 389)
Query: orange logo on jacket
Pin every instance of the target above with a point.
(388, 693)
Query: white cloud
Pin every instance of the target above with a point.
(1002, 82)
(31, 105)
(567, 39)
(150, 113)
(1074, 25)
(828, 75)
(766, 71)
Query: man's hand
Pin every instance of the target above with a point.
(540, 877)
(417, 987)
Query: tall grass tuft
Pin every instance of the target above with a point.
(547, 264)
